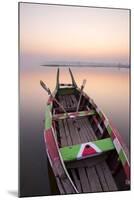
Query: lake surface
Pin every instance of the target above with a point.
(108, 87)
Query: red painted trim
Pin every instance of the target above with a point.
(103, 117)
(113, 136)
(95, 120)
(51, 145)
(127, 170)
(50, 100)
(88, 151)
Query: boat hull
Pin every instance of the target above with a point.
(107, 162)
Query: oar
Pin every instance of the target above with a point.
(49, 93)
(82, 87)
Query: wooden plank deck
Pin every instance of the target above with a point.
(88, 176)
(76, 179)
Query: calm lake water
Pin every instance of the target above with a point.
(108, 87)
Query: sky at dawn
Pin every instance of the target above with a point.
(64, 33)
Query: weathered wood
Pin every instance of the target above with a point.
(92, 174)
(58, 169)
(81, 171)
(89, 128)
(64, 101)
(80, 94)
(78, 134)
(93, 180)
(68, 101)
(71, 102)
(82, 131)
(63, 137)
(66, 129)
(86, 130)
(73, 131)
(84, 180)
(74, 100)
(76, 180)
(101, 177)
(72, 135)
(87, 162)
(72, 77)
(73, 115)
(66, 185)
(60, 100)
(64, 182)
(108, 176)
(62, 191)
(55, 100)
(71, 109)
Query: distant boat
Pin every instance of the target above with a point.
(85, 152)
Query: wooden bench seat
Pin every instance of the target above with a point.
(88, 149)
(73, 114)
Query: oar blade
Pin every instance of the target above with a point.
(45, 87)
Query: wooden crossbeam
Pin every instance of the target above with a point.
(73, 114)
(88, 149)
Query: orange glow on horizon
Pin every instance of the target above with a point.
(74, 32)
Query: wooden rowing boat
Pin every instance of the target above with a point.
(85, 151)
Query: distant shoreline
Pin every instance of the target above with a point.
(85, 65)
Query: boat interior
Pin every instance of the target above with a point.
(94, 174)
